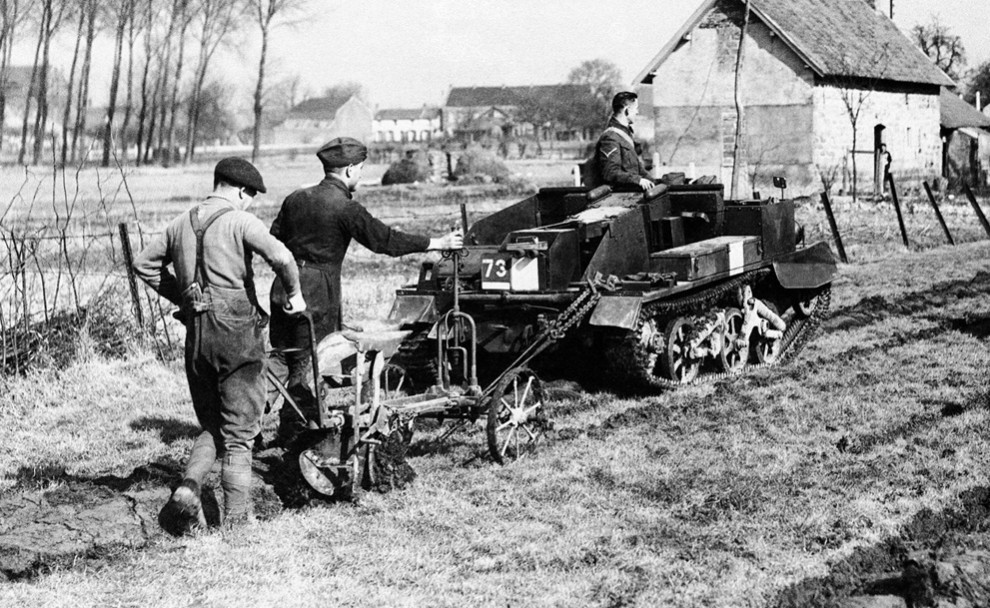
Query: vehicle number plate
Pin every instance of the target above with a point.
(496, 272)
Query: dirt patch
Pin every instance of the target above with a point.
(939, 559)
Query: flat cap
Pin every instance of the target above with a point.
(239, 172)
(341, 151)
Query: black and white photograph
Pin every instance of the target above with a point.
(495, 303)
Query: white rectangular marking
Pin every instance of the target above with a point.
(737, 258)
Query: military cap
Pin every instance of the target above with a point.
(342, 151)
(239, 172)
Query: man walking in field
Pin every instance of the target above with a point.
(317, 224)
(210, 250)
(616, 162)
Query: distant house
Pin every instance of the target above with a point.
(319, 119)
(477, 114)
(802, 58)
(420, 125)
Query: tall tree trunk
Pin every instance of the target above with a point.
(738, 148)
(82, 101)
(7, 37)
(22, 153)
(143, 112)
(128, 104)
(258, 91)
(118, 51)
(173, 105)
(67, 114)
(41, 117)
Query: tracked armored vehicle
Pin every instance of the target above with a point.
(646, 290)
(634, 290)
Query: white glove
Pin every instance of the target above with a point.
(295, 305)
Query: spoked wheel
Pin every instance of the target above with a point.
(517, 416)
(676, 362)
(734, 350)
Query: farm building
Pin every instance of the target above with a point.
(963, 130)
(319, 119)
(407, 125)
(808, 65)
(493, 116)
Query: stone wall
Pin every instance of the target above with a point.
(910, 122)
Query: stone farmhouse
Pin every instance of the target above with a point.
(407, 126)
(806, 64)
(320, 119)
(489, 115)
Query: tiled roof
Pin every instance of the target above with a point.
(468, 97)
(319, 107)
(407, 114)
(957, 114)
(836, 38)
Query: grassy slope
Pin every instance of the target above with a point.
(714, 495)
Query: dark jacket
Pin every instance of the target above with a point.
(615, 161)
(317, 225)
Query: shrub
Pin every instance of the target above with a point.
(478, 164)
(406, 171)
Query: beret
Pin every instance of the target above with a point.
(341, 152)
(239, 172)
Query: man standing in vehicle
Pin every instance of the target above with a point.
(317, 224)
(615, 162)
(210, 250)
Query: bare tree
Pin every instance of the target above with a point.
(55, 11)
(135, 25)
(123, 10)
(84, 7)
(943, 47)
(738, 147)
(12, 14)
(82, 97)
(185, 18)
(218, 19)
(855, 90)
(266, 13)
(35, 68)
(148, 16)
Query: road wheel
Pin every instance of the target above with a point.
(733, 353)
(676, 362)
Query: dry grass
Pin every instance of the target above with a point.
(716, 495)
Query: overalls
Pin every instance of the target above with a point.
(225, 358)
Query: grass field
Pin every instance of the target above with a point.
(720, 495)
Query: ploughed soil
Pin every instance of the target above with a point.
(77, 522)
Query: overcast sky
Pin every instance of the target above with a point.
(408, 53)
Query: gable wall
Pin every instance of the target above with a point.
(694, 105)
(911, 121)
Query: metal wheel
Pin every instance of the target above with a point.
(651, 339)
(804, 306)
(764, 350)
(733, 354)
(676, 363)
(517, 416)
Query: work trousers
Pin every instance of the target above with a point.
(225, 366)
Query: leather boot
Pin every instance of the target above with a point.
(183, 513)
(235, 478)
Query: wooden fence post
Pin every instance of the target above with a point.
(835, 228)
(938, 213)
(976, 208)
(897, 208)
(125, 247)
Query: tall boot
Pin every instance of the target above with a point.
(183, 512)
(235, 479)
